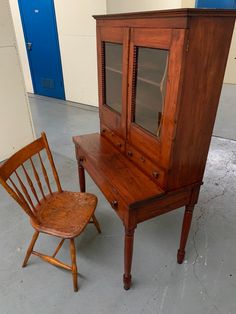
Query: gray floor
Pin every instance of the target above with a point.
(205, 283)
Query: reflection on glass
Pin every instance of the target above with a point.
(113, 75)
(151, 72)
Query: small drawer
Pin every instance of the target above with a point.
(146, 165)
(116, 140)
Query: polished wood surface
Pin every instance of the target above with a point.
(131, 183)
(208, 46)
(143, 173)
(61, 213)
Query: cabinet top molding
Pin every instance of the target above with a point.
(187, 12)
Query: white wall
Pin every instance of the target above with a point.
(230, 73)
(77, 37)
(21, 44)
(16, 129)
(114, 6)
(188, 3)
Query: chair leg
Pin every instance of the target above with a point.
(128, 254)
(96, 223)
(184, 234)
(74, 267)
(30, 248)
(58, 248)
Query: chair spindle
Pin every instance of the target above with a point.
(50, 158)
(18, 196)
(30, 184)
(37, 178)
(24, 190)
(45, 173)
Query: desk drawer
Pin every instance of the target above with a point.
(110, 193)
(114, 199)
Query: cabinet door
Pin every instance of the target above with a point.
(112, 74)
(155, 57)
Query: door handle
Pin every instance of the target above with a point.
(29, 46)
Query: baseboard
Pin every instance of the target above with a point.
(65, 102)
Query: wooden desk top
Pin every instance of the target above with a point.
(111, 167)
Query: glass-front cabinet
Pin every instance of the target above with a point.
(113, 72)
(135, 70)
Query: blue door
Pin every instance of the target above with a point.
(40, 31)
(216, 4)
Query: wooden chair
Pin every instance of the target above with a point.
(62, 214)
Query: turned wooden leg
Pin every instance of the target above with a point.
(128, 254)
(30, 248)
(96, 223)
(74, 266)
(184, 234)
(81, 175)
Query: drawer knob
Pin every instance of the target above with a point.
(155, 174)
(82, 158)
(114, 203)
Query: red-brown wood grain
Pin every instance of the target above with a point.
(140, 174)
(209, 42)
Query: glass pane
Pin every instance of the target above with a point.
(113, 76)
(151, 72)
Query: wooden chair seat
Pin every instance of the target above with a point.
(64, 214)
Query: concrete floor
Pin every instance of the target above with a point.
(204, 284)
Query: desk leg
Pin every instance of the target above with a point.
(81, 176)
(184, 234)
(128, 254)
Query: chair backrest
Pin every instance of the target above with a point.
(23, 185)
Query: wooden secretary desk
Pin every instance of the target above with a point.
(160, 75)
